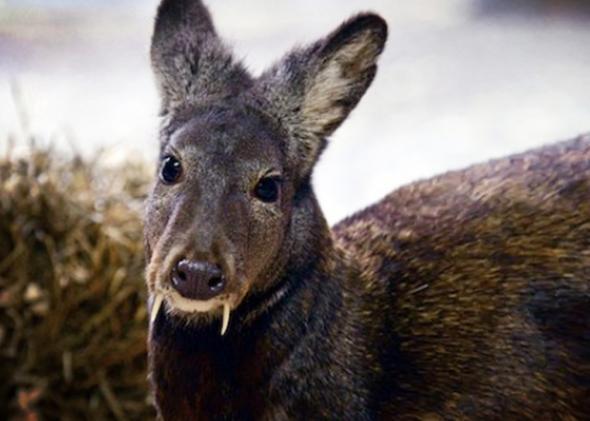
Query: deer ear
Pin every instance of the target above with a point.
(190, 62)
(312, 90)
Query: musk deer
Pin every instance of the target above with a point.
(463, 296)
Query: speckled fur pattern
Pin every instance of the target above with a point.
(465, 296)
(487, 277)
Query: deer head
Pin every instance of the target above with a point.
(232, 207)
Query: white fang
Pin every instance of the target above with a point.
(225, 321)
(158, 299)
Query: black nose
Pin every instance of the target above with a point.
(198, 280)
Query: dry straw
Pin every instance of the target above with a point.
(73, 321)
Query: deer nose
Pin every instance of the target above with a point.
(198, 280)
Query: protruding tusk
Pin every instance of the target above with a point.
(225, 321)
(156, 307)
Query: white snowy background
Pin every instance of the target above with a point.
(461, 81)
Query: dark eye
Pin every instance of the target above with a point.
(171, 170)
(267, 189)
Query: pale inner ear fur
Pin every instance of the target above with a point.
(325, 104)
(313, 89)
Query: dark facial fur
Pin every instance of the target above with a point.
(461, 297)
(228, 131)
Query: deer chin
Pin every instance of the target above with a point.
(179, 305)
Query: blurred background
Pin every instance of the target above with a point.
(460, 81)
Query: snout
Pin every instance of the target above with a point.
(198, 280)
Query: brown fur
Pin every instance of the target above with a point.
(466, 296)
(489, 273)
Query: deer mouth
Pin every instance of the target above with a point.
(178, 304)
(195, 291)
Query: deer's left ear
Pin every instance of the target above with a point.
(312, 90)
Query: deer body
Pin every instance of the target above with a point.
(487, 277)
(463, 296)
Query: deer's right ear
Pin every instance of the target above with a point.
(190, 62)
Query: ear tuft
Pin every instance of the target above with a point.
(172, 15)
(363, 24)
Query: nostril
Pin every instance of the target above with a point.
(179, 274)
(216, 283)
